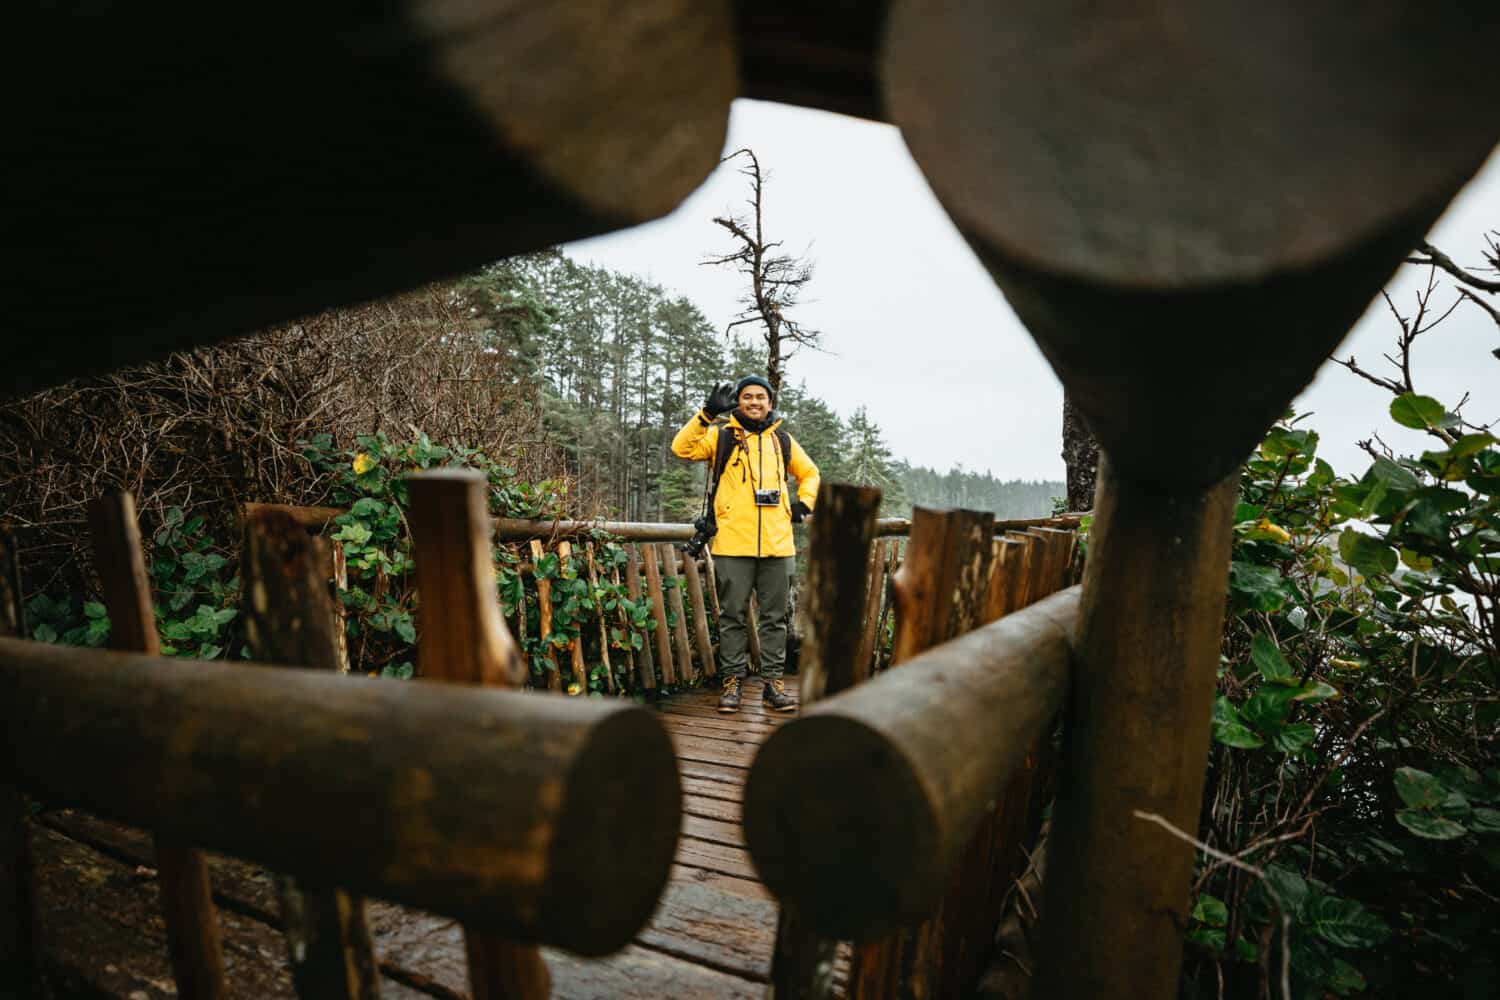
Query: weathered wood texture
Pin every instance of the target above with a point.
(893, 527)
(192, 924)
(528, 851)
(464, 641)
(291, 620)
(701, 637)
(678, 609)
(833, 599)
(503, 126)
(937, 594)
(1135, 738)
(1118, 247)
(659, 612)
(544, 621)
(915, 756)
(19, 942)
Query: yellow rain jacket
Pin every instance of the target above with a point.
(756, 464)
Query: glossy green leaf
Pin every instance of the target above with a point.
(1344, 922)
(1429, 825)
(1420, 412)
(1269, 661)
(1418, 789)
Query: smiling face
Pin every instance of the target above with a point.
(755, 402)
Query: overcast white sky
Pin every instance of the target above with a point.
(916, 330)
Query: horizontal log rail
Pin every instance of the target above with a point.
(912, 759)
(513, 529)
(498, 808)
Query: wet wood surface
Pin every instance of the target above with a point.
(712, 934)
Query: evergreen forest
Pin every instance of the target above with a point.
(619, 364)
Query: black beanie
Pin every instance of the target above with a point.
(754, 380)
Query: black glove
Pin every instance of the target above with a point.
(800, 511)
(721, 400)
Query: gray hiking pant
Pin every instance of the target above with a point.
(771, 580)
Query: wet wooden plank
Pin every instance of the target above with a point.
(717, 831)
(713, 751)
(706, 789)
(723, 810)
(695, 853)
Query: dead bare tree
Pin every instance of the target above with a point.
(776, 279)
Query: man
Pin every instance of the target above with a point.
(754, 511)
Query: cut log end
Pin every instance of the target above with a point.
(863, 842)
(616, 835)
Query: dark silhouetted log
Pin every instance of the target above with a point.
(517, 529)
(20, 947)
(464, 640)
(291, 620)
(675, 604)
(700, 616)
(1190, 175)
(911, 760)
(531, 850)
(420, 139)
(659, 612)
(633, 587)
(833, 600)
(193, 937)
(822, 55)
(1135, 738)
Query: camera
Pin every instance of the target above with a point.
(703, 529)
(768, 498)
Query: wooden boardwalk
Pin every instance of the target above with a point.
(711, 936)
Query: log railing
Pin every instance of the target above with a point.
(495, 807)
(680, 647)
(896, 813)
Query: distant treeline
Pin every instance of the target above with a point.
(1012, 498)
(621, 363)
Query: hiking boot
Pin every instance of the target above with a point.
(775, 696)
(729, 701)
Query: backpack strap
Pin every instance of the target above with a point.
(728, 442)
(722, 451)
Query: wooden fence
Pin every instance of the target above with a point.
(898, 813)
(279, 765)
(126, 736)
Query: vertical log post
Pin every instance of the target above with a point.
(20, 948)
(839, 544)
(870, 613)
(575, 643)
(700, 616)
(659, 610)
(673, 596)
(1135, 738)
(711, 576)
(544, 621)
(193, 937)
(633, 587)
(291, 619)
(463, 640)
(609, 671)
(939, 594)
